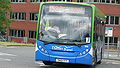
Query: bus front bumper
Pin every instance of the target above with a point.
(41, 56)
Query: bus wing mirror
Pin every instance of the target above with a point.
(102, 22)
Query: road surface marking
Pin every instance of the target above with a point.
(2, 59)
(1, 53)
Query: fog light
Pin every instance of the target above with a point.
(80, 53)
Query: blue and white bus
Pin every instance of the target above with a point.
(69, 32)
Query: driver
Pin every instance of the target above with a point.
(54, 31)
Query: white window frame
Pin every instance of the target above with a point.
(63, 0)
(16, 16)
(18, 1)
(38, 1)
(33, 14)
(34, 34)
(101, 1)
(16, 34)
(109, 20)
(108, 39)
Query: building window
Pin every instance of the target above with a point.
(113, 1)
(58, 0)
(79, 0)
(69, 0)
(17, 33)
(18, 1)
(95, 0)
(63, 0)
(32, 34)
(118, 1)
(18, 15)
(33, 16)
(85, 0)
(111, 40)
(38, 1)
(116, 20)
(101, 1)
(113, 20)
(107, 1)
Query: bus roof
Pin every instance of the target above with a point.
(86, 4)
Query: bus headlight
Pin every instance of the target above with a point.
(43, 50)
(84, 52)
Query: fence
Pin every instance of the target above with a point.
(2, 38)
(20, 39)
(112, 51)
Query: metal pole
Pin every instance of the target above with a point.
(108, 47)
(118, 45)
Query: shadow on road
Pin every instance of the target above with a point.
(59, 65)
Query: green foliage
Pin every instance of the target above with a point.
(4, 20)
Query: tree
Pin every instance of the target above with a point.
(4, 20)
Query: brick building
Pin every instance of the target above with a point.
(25, 12)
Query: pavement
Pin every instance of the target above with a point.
(5, 44)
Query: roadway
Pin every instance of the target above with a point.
(23, 57)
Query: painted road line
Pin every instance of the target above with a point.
(3, 59)
(1, 53)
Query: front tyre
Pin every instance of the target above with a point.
(47, 62)
(94, 59)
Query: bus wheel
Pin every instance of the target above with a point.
(47, 63)
(93, 66)
(95, 60)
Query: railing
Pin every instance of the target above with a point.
(112, 51)
(2, 38)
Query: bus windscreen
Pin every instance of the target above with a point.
(63, 23)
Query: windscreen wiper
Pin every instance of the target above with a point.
(47, 42)
(70, 40)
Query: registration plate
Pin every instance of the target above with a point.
(62, 60)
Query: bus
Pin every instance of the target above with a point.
(69, 32)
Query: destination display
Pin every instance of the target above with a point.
(65, 9)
